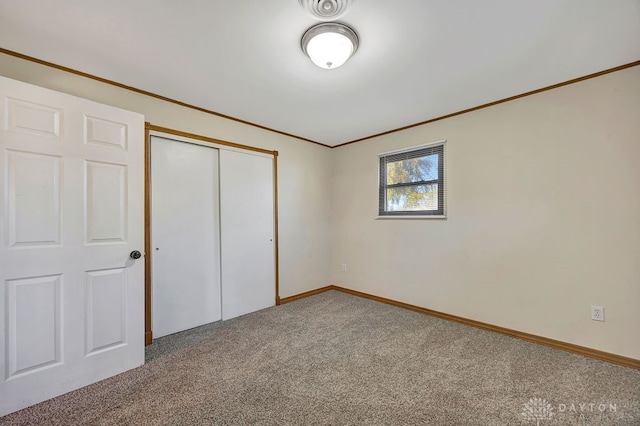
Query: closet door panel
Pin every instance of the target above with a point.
(247, 233)
(184, 237)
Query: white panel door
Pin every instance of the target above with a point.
(184, 236)
(247, 233)
(72, 300)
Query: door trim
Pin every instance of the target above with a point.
(148, 335)
(148, 332)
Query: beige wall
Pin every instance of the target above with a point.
(304, 168)
(543, 217)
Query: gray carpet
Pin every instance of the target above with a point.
(174, 342)
(336, 359)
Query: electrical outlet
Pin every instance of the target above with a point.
(344, 267)
(597, 313)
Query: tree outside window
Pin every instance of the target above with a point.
(412, 182)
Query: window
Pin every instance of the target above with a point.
(412, 182)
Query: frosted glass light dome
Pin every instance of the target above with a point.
(329, 44)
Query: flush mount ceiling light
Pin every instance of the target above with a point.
(325, 10)
(329, 44)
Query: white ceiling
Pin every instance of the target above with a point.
(418, 59)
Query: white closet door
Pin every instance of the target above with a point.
(72, 299)
(184, 236)
(247, 233)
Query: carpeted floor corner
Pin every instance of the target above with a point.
(336, 359)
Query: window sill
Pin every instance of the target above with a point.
(441, 217)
